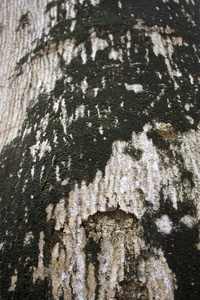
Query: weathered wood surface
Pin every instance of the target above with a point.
(100, 149)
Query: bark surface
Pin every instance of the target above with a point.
(100, 155)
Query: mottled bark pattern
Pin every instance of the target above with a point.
(100, 156)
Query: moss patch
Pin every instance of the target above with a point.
(117, 111)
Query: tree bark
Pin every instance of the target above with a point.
(100, 157)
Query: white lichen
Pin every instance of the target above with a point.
(164, 224)
(137, 88)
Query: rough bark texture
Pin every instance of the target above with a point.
(100, 156)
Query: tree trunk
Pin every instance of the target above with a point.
(100, 157)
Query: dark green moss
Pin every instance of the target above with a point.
(50, 5)
(188, 175)
(26, 290)
(24, 21)
(158, 140)
(92, 249)
(132, 151)
(117, 111)
(180, 246)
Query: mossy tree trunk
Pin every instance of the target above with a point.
(100, 156)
